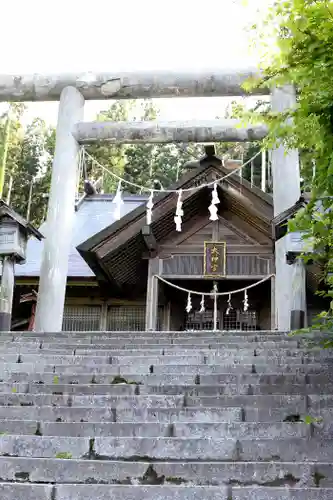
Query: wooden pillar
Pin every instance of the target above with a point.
(285, 165)
(60, 216)
(166, 317)
(104, 317)
(273, 306)
(152, 293)
(7, 292)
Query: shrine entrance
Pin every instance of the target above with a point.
(235, 320)
(256, 317)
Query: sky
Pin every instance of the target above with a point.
(40, 36)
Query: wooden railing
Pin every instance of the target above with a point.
(236, 265)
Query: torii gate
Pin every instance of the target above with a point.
(72, 89)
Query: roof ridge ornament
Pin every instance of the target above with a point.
(213, 206)
(179, 212)
(149, 206)
(118, 202)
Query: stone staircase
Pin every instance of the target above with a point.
(172, 416)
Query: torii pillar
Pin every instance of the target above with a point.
(60, 215)
(290, 279)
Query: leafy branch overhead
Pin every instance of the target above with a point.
(303, 56)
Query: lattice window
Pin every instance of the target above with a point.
(201, 321)
(235, 320)
(129, 318)
(81, 318)
(240, 320)
(126, 318)
(231, 320)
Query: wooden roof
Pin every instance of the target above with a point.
(115, 253)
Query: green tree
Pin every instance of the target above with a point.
(28, 166)
(245, 150)
(164, 163)
(303, 32)
(110, 156)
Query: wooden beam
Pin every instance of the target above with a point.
(149, 238)
(129, 85)
(155, 132)
(154, 268)
(245, 277)
(262, 250)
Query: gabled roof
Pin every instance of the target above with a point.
(199, 168)
(23, 223)
(279, 223)
(93, 214)
(124, 239)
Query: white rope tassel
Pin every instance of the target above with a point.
(215, 201)
(189, 303)
(149, 206)
(229, 308)
(202, 305)
(179, 212)
(118, 202)
(246, 301)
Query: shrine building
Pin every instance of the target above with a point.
(121, 272)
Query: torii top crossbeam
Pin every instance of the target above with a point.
(149, 84)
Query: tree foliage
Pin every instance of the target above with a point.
(302, 31)
(28, 165)
(30, 154)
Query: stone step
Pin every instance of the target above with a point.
(230, 389)
(155, 401)
(251, 414)
(262, 401)
(260, 368)
(176, 347)
(226, 357)
(162, 356)
(136, 449)
(223, 351)
(88, 378)
(118, 340)
(167, 379)
(246, 493)
(320, 401)
(218, 430)
(161, 414)
(107, 369)
(123, 389)
(239, 430)
(288, 474)
(129, 334)
(292, 449)
(233, 344)
(9, 491)
(17, 399)
(207, 414)
(138, 362)
(60, 369)
(257, 379)
(108, 414)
